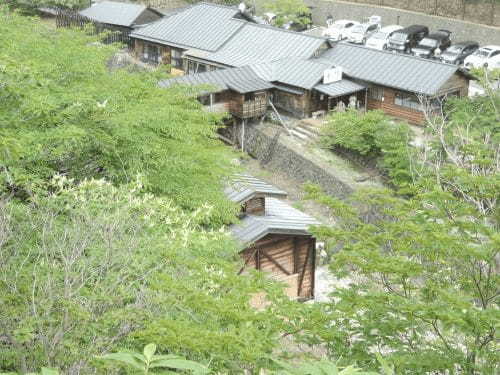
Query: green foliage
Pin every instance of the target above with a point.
(30, 6)
(423, 282)
(62, 111)
(149, 360)
(372, 135)
(93, 268)
(354, 131)
(294, 11)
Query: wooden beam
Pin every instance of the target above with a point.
(303, 272)
(263, 252)
(257, 258)
(246, 261)
(295, 255)
(313, 266)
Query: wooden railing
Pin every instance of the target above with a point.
(248, 109)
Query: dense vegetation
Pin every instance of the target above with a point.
(112, 231)
(424, 270)
(372, 135)
(110, 216)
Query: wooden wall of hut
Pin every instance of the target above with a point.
(287, 258)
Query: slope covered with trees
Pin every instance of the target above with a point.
(111, 216)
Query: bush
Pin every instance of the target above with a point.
(372, 135)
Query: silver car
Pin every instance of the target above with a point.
(360, 33)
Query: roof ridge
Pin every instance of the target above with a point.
(393, 53)
(281, 30)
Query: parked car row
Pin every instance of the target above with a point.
(415, 40)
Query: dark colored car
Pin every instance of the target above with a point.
(457, 53)
(404, 40)
(433, 44)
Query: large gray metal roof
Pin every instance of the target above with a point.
(239, 79)
(280, 218)
(339, 88)
(202, 26)
(244, 187)
(254, 44)
(399, 71)
(114, 13)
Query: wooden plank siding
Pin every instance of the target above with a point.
(284, 258)
(457, 83)
(389, 106)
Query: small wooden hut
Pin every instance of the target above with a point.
(275, 236)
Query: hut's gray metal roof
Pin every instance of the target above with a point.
(404, 72)
(339, 88)
(244, 187)
(239, 79)
(280, 218)
(254, 44)
(202, 26)
(114, 13)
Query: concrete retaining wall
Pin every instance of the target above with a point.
(274, 155)
(461, 30)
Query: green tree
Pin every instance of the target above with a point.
(62, 111)
(372, 135)
(93, 268)
(424, 277)
(293, 11)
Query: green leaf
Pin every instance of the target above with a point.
(180, 364)
(49, 371)
(124, 358)
(149, 351)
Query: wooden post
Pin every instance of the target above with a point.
(257, 259)
(313, 266)
(295, 255)
(366, 100)
(243, 135)
(304, 268)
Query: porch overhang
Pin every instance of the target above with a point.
(340, 88)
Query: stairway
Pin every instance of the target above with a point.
(305, 132)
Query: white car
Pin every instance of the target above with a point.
(380, 39)
(360, 33)
(339, 30)
(487, 57)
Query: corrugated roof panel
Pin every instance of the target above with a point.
(249, 85)
(114, 13)
(255, 44)
(400, 71)
(241, 79)
(203, 26)
(244, 187)
(280, 218)
(303, 73)
(339, 88)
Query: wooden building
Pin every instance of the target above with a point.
(275, 236)
(119, 16)
(401, 85)
(203, 27)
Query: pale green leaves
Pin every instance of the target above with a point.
(149, 360)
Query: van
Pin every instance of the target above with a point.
(406, 39)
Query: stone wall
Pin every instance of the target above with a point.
(461, 30)
(262, 142)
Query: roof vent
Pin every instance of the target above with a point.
(242, 8)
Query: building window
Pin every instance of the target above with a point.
(376, 93)
(176, 58)
(151, 54)
(408, 101)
